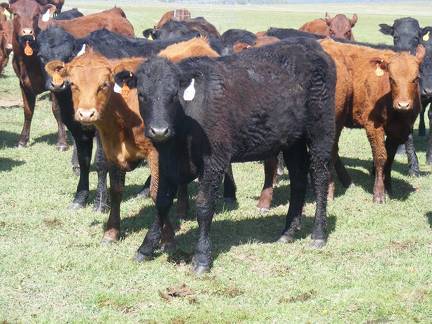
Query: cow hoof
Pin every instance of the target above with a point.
(76, 206)
(168, 247)
(145, 193)
(139, 257)
(101, 208)
(230, 201)
(22, 144)
(318, 244)
(107, 241)
(200, 269)
(62, 147)
(263, 210)
(380, 199)
(286, 238)
(414, 173)
(76, 171)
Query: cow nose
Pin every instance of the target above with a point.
(27, 32)
(86, 114)
(159, 133)
(403, 105)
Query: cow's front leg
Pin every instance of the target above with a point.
(266, 197)
(29, 101)
(61, 140)
(205, 205)
(413, 164)
(391, 147)
(102, 202)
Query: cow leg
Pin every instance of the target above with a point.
(29, 101)
(61, 140)
(84, 151)
(74, 160)
(391, 147)
(102, 203)
(429, 144)
(422, 125)
(296, 160)
(270, 169)
(413, 164)
(342, 173)
(117, 181)
(145, 191)
(229, 186)
(182, 201)
(376, 140)
(164, 201)
(205, 205)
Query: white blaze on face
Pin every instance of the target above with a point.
(82, 51)
(189, 93)
(117, 88)
(46, 16)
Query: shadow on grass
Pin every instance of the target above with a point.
(8, 164)
(8, 139)
(50, 139)
(429, 218)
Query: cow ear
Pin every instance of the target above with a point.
(57, 70)
(426, 33)
(420, 53)
(328, 18)
(124, 78)
(380, 66)
(386, 29)
(353, 20)
(48, 12)
(148, 33)
(4, 6)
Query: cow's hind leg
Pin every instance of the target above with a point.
(229, 187)
(422, 125)
(61, 140)
(102, 203)
(270, 170)
(391, 147)
(413, 164)
(117, 181)
(429, 144)
(296, 160)
(29, 101)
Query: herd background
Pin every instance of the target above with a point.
(376, 267)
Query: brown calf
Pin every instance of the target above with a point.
(117, 118)
(385, 101)
(260, 41)
(5, 36)
(339, 26)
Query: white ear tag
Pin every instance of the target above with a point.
(82, 50)
(189, 93)
(426, 37)
(117, 88)
(46, 16)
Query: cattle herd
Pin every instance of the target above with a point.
(191, 101)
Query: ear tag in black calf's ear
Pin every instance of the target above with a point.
(117, 88)
(189, 93)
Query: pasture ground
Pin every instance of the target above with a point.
(377, 266)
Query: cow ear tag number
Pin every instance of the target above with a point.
(28, 50)
(426, 37)
(189, 93)
(379, 71)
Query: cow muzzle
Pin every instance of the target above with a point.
(86, 116)
(159, 134)
(402, 105)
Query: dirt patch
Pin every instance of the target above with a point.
(8, 103)
(178, 292)
(52, 223)
(298, 298)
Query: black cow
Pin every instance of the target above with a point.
(407, 35)
(68, 14)
(232, 36)
(283, 33)
(247, 107)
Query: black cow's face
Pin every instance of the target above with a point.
(174, 29)
(55, 45)
(406, 33)
(426, 77)
(158, 85)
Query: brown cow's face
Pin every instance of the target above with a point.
(4, 54)
(26, 16)
(91, 85)
(340, 26)
(404, 71)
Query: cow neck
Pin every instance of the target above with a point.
(122, 133)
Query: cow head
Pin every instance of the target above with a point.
(26, 17)
(340, 26)
(4, 54)
(90, 79)
(6, 25)
(426, 77)
(404, 74)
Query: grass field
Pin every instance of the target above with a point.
(377, 266)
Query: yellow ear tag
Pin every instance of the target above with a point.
(426, 37)
(125, 91)
(57, 79)
(28, 50)
(379, 72)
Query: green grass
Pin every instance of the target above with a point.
(376, 267)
